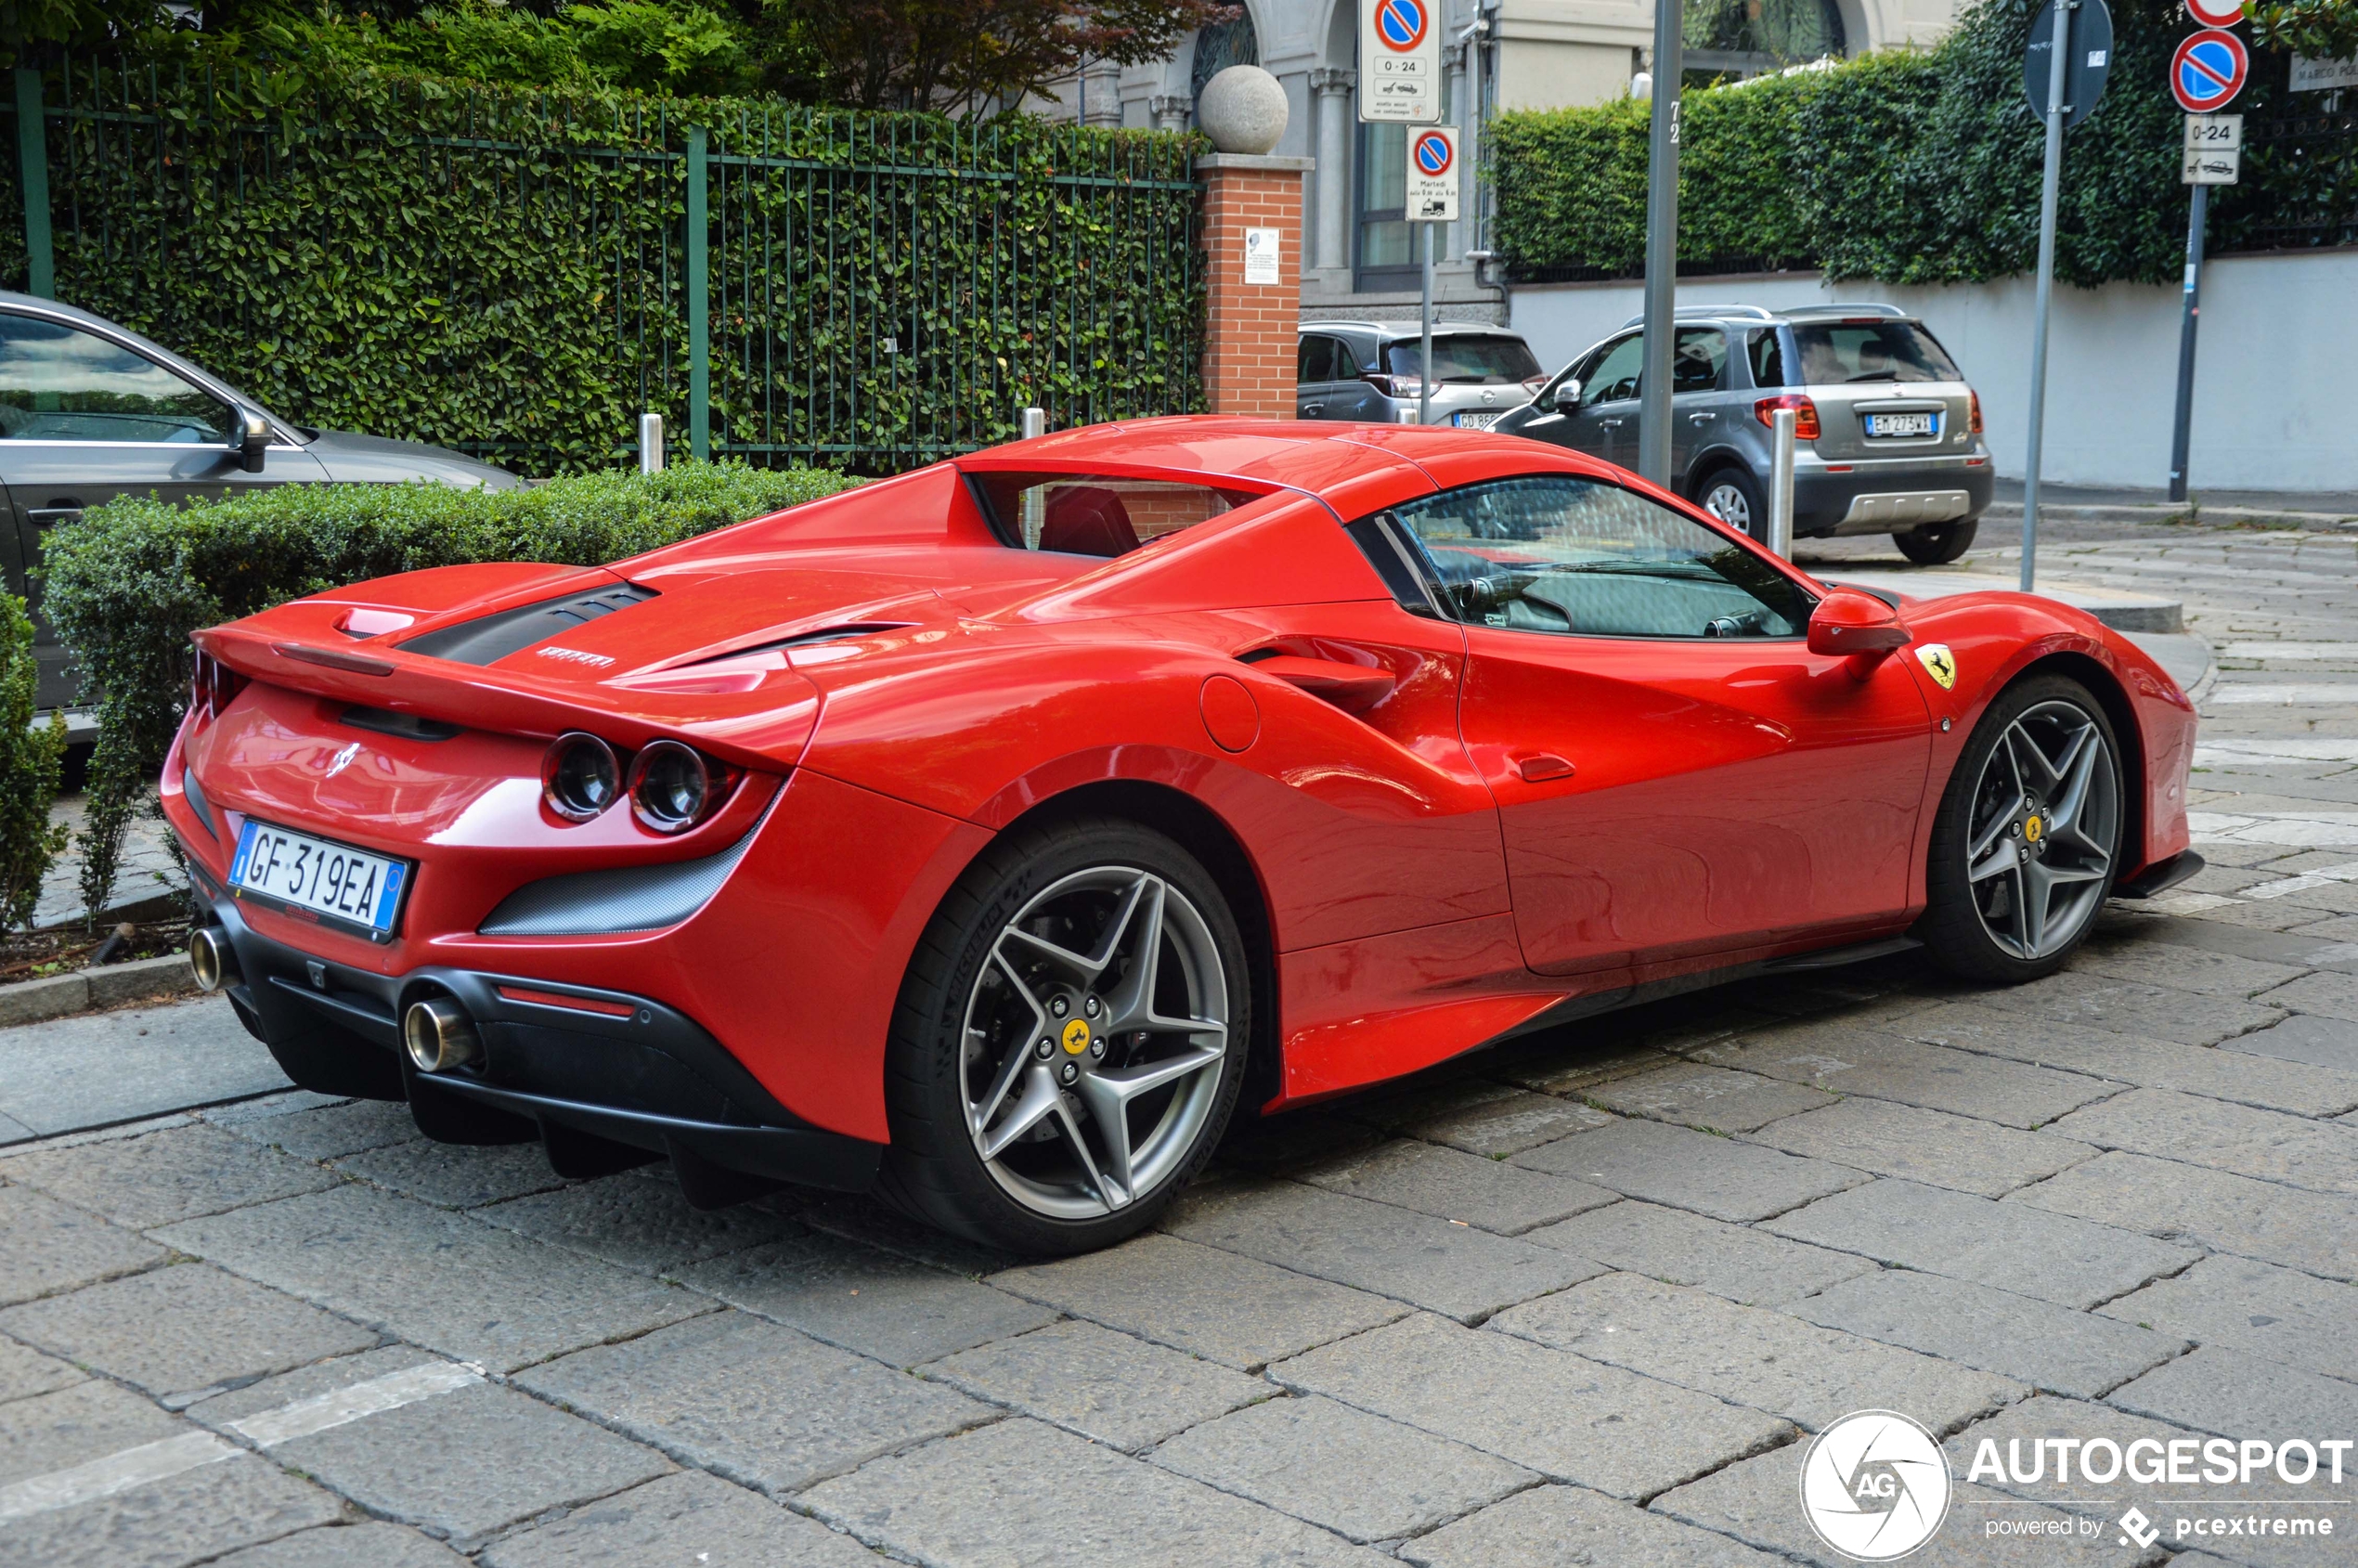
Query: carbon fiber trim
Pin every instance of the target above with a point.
(198, 803)
(598, 903)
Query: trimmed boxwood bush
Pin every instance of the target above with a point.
(126, 584)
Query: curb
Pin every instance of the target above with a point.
(85, 990)
(2319, 522)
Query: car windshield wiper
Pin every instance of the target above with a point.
(1878, 376)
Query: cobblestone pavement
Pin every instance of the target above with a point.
(1583, 1301)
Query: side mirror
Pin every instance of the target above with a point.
(1848, 621)
(1568, 394)
(254, 440)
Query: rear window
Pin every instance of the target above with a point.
(1838, 353)
(1466, 360)
(1094, 515)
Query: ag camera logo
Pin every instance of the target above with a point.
(1875, 1485)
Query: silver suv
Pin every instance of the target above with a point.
(1369, 370)
(1888, 434)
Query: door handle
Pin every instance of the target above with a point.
(1698, 418)
(1311, 411)
(64, 511)
(1607, 425)
(1543, 767)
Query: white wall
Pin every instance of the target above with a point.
(2273, 386)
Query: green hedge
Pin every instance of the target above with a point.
(127, 583)
(506, 272)
(1906, 168)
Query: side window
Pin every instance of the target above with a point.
(59, 384)
(1615, 377)
(1313, 361)
(1701, 362)
(1097, 515)
(1767, 357)
(1565, 555)
(1347, 366)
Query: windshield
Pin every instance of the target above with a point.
(1836, 353)
(1466, 359)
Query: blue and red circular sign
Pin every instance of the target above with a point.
(1433, 154)
(1401, 24)
(2208, 71)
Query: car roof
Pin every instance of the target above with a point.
(1409, 329)
(1762, 315)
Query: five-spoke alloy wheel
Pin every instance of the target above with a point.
(2022, 851)
(1070, 1040)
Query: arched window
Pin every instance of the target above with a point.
(1746, 37)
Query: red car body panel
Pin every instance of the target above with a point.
(1725, 802)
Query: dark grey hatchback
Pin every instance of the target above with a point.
(90, 410)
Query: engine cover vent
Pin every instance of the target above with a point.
(490, 638)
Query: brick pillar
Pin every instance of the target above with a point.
(1250, 327)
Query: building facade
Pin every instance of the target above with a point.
(1362, 259)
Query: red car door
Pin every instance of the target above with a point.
(1676, 774)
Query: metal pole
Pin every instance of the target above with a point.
(699, 303)
(33, 166)
(1781, 482)
(2058, 59)
(651, 443)
(1424, 381)
(1035, 423)
(1662, 247)
(2181, 434)
(1036, 501)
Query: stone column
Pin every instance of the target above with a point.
(1101, 96)
(1335, 163)
(1170, 110)
(1251, 326)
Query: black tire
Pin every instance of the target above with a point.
(1937, 544)
(932, 1170)
(1955, 933)
(1754, 520)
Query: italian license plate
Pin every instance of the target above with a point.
(331, 882)
(1477, 419)
(1903, 424)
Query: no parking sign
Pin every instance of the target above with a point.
(1400, 61)
(2208, 70)
(1432, 175)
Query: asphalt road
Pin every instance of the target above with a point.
(1585, 1302)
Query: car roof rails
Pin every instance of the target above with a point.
(1743, 312)
(1821, 312)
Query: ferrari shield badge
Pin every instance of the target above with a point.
(1939, 663)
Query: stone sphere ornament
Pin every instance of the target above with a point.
(1243, 109)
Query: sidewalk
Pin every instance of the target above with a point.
(2089, 503)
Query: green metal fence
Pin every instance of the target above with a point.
(521, 275)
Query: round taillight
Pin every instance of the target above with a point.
(673, 786)
(580, 776)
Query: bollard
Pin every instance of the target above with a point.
(1035, 516)
(1781, 482)
(1035, 423)
(650, 443)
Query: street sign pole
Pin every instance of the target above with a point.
(2206, 73)
(1662, 246)
(1429, 200)
(2181, 431)
(1424, 382)
(2051, 186)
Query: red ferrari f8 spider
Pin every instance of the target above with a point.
(981, 834)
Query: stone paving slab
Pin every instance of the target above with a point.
(755, 1402)
(223, 1411)
(104, 1068)
(176, 1174)
(1563, 1416)
(1454, 1269)
(2334, 996)
(1515, 1120)
(690, 1520)
(455, 1177)
(1930, 1147)
(1109, 1387)
(1737, 1261)
(1452, 1185)
(1202, 1300)
(2238, 1396)
(1363, 1477)
(890, 1307)
(1054, 1501)
(25, 1372)
(2037, 1342)
(1552, 1526)
(2222, 1073)
(47, 1246)
(369, 1544)
(2276, 1314)
(431, 1277)
(89, 1420)
(464, 1464)
(2227, 1213)
(1684, 1168)
(2133, 1008)
(2031, 1251)
(178, 1333)
(2305, 1037)
(193, 1517)
(1710, 1099)
(636, 1222)
(2185, 969)
(1849, 1061)
(2264, 1144)
(1750, 1356)
(325, 1131)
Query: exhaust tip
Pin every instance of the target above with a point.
(210, 958)
(439, 1036)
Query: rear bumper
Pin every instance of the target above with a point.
(575, 1058)
(1870, 498)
